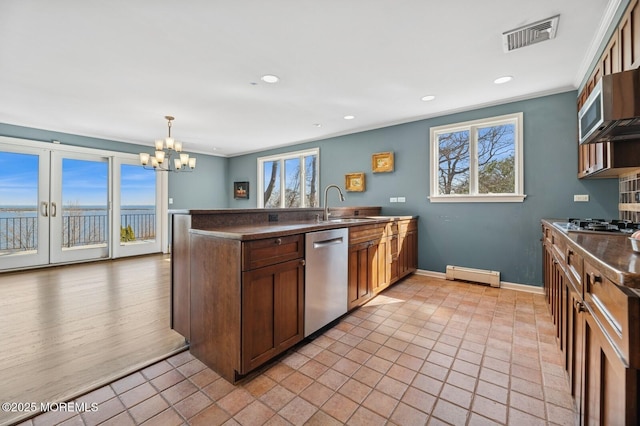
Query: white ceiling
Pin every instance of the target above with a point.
(114, 69)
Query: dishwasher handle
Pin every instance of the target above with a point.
(326, 243)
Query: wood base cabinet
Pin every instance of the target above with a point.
(247, 301)
(610, 393)
(380, 255)
(597, 329)
(274, 297)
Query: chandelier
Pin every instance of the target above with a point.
(165, 148)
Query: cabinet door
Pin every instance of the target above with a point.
(575, 345)
(560, 305)
(381, 264)
(609, 395)
(610, 62)
(272, 311)
(408, 253)
(629, 35)
(360, 274)
(547, 269)
(395, 263)
(592, 158)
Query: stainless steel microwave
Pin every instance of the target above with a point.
(612, 110)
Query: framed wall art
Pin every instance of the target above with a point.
(354, 182)
(241, 190)
(382, 162)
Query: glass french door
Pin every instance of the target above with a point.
(24, 207)
(137, 224)
(79, 215)
(66, 204)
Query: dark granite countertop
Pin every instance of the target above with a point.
(610, 253)
(247, 232)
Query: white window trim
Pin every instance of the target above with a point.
(517, 196)
(282, 157)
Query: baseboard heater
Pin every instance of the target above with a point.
(475, 275)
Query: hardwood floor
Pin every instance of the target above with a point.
(67, 330)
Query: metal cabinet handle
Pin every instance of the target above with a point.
(595, 278)
(303, 262)
(54, 209)
(45, 209)
(580, 306)
(278, 241)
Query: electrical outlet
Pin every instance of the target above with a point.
(170, 200)
(402, 199)
(581, 197)
(393, 199)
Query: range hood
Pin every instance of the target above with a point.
(612, 110)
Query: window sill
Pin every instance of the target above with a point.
(494, 198)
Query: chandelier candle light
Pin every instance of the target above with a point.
(164, 149)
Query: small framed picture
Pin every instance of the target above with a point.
(382, 162)
(241, 190)
(354, 182)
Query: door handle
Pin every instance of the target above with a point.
(54, 209)
(45, 209)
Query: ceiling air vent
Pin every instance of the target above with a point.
(530, 34)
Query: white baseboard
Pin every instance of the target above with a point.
(503, 284)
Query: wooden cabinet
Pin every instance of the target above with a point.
(597, 327)
(368, 259)
(380, 255)
(407, 247)
(272, 312)
(360, 287)
(607, 159)
(610, 386)
(629, 36)
(382, 262)
(247, 300)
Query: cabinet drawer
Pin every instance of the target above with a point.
(610, 308)
(559, 245)
(546, 234)
(574, 263)
(270, 251)
(362, 233)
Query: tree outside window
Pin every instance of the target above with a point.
(289, 180)
(478, 161)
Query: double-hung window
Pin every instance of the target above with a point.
(478, 160)
(289, 180)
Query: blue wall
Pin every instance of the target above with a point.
(205, 188)
(498, 236)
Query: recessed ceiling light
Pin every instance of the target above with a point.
(268, 78)
(502, 80)
(428, 98)
(349, 117)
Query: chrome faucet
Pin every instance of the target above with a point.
(326, 204)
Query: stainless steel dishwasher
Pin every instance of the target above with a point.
(326, 275)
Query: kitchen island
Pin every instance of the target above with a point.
(592, 286)
(246, 286)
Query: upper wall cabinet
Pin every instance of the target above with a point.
(621, 54)
(629, 35)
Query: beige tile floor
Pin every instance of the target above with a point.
(426, 351)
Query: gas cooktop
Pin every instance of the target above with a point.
(615, 226)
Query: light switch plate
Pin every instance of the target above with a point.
(402, 199)
(581, 197)
(170, 200)
(393, 199)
